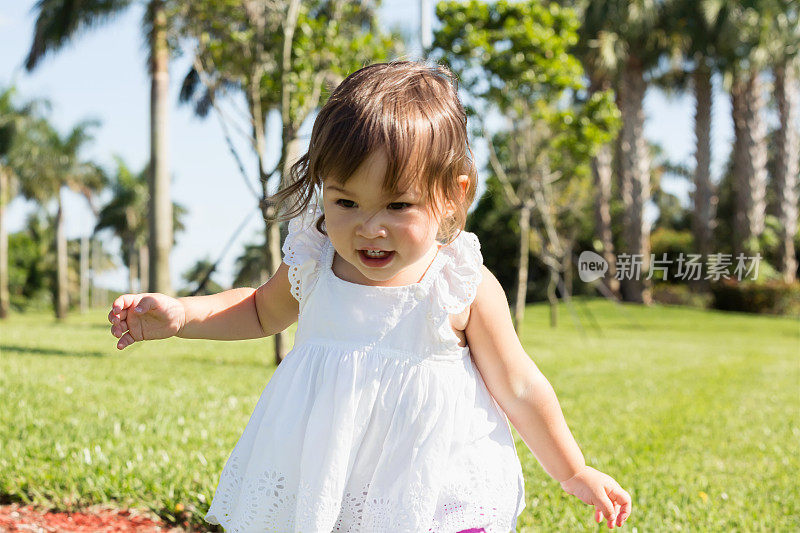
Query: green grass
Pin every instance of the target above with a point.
(695, 413)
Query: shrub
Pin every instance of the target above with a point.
(772, 297)
(674, 294)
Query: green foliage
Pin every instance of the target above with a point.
(31, 272)
(196, 274)
(707, 398)
(45, 161)
(126, 212)
(493, 221)
(250, 267)
(59, 21)
(674, 294)
(772, 297)
(241, 49)
(515, 58)
(615, 32)
(32, 265)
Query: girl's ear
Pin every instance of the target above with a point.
(463, 183)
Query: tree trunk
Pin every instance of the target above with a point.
(566, 268)
(787, 141)
(144, 264)
(601, 171)
(62, 297)
(94, 294)
(272, 239)
(750, 161)
(4, 294)
(522, 265)
(84, 274)
(132, 270)
(552, 297)
(704, 197)
(160, 206)
(636, 179)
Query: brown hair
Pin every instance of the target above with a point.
(410, 109)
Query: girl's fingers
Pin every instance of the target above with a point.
(119, 328)
(119, 309)
(145, 304)
(125, 341)
(621, 496)
(612, 521)
(606, 506)
(122, 302)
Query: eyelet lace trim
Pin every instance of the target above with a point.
(474, 497)
(457, 284)
(302, 249)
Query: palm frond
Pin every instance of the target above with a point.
(58, 21)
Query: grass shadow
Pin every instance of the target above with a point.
(47, 351)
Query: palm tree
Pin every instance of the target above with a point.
(123, 214)
(634, 41)
(787, 140)
(46, 162)
(599, 59)
(250, 267)
(9, 117)
(743, 58)
(199, 276)
(57, 22)
(699, 28)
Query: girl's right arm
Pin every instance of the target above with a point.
(242, 313)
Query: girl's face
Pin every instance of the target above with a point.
(399, 232)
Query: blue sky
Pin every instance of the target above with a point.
(102, 75)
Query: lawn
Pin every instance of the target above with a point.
(695, 413)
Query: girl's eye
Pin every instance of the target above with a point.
(345, 203)
(399, 205)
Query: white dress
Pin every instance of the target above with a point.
(376, 420)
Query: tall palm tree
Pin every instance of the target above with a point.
(786, 70)
(599, 55)
(57, 22)
(9, 119)
(199, 277)
(743, 58)
(634, 44)
(250, 266)
(46, 162)
(698, 26)
(123, 214)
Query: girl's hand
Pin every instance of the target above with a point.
(593, 487)
(148, 316)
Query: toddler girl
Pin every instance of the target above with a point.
(391, 412)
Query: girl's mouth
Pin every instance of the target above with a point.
(375, 258)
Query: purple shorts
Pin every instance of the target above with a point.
(479, 530)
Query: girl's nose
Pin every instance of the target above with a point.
(372, 227)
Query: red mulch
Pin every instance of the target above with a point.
(17, 518)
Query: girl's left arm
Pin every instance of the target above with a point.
(530, 403)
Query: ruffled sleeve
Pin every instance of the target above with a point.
(303, 250)
(457, 284)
